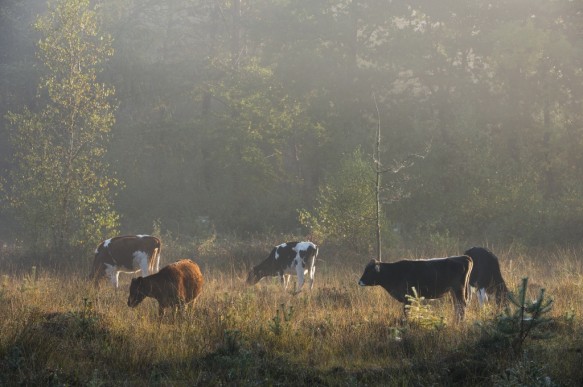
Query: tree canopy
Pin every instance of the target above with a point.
(60, 186)
(243, 113)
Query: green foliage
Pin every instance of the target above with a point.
(420, 313)
(524, 372)
(280, 325)
(345, 205)
(87, 318)
(60, 186)
(523, 319)
(238, 111)
(231, 342)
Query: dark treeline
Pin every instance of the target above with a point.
(239, 114)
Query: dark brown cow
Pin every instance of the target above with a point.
(127, 254)
(288, 258)
(175, 286)
(486, 275)
(432, 278)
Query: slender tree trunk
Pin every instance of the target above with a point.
(378, 172)
(236, 35)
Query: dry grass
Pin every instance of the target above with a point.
(57, 329)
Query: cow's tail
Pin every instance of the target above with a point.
(97, 270)
(467, 279)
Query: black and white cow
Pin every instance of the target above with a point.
(126, 254)
(431, 278)
(288, 258)
(486, 276)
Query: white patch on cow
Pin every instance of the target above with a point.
(277, 249)
(303, 246)
(106, 243)
(141, 261)
(482, 295)
(297, 264)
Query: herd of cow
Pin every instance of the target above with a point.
(180, 283)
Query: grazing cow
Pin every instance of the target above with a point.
(127, 254)
(432, 278)
(175, 286)
(486, 275)
(291, 257)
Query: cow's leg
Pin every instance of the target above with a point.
(113, 274)
(285, 280)
(459, 300)
(98, 274)
(482, 296)
(471, 292)
(312, 272)
(300, 274)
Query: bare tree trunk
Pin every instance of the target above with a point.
(236, 34)
(378, 172)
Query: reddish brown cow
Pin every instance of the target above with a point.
(175, 286)
(127, 254)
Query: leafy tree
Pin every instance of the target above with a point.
(60, 189)
(345, 205)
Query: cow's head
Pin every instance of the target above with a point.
(255, 275)
(137, 292)
(371, 273)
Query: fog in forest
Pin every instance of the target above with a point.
(255, 117)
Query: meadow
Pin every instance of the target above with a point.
(57, 329)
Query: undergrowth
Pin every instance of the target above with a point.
(57, 329)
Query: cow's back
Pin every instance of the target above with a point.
(431, 277)
(486, 270)
(182, 279)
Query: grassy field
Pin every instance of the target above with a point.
(57, 329)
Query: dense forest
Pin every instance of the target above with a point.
(247, 117)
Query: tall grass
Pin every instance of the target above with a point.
(57, 329)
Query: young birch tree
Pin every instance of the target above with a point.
(60, 188)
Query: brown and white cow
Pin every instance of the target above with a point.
(486, 276)
(288, 258)
(431, 278)
(175, 286)
(126, 254)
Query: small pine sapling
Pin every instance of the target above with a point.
(526, 317)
